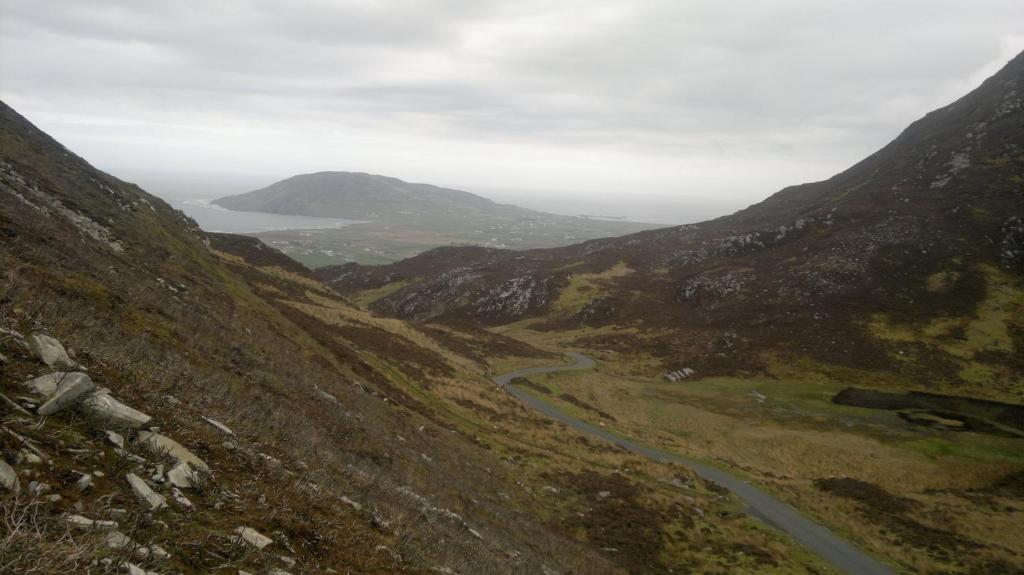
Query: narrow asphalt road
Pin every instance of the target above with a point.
(838, 552)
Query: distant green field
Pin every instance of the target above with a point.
(384, 242)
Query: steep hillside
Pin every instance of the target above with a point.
(401, 219)
(928, 229)
(854, 345)
(353, 443)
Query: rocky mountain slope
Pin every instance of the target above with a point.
(909, 262)
(318, 437)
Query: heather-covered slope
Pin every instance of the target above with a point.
(358, 443)
(930, 228)
(854, 346)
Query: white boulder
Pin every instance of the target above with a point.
(161, 443)
(69, 391)
(50, 351)
(143, 492)
(8, 478)
(253, 537)
(103, 406)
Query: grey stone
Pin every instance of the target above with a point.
(86, 523)
(115, 438)
(181, 475)
(46, 385)
(8, 478)
(84, 482)
(70, 390)
(180, 499)
(161, 443)
(103, 406)
(223, 428)
(253, 537)
(38, 487)
(50, 351)
(144, 493)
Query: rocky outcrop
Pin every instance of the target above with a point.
(50, 351)
(69, 392)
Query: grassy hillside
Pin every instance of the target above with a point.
(359, 443)
(854, 345)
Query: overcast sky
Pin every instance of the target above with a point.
(690, 106)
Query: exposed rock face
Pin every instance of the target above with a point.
(69, 392)
(143, 492)
(50, 351)
(253, 537)
(162, 443)
(8, 478)
(103, 406)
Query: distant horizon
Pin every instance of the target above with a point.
(648, 209)
(695, 109)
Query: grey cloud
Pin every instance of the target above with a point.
(655, 82)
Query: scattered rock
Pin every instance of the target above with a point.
(50, 351)
(38, 487)
(46, 385)
(3, 358)
(181, 475)
(84, 482)
(350, 503)
(85, 523)
(115, 438)
(26, 456)
(54, 497)
(161, 443)
(143, 492)
(253, 537)
(158, 553)
(288, 561)
(117, 540)
(180, 499)
(218, 425)
(129, 456)
(8, 478)
(603, 494)
(69, 391)
(105, 407)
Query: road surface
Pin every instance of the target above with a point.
(838, 552)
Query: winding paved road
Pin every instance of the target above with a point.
(838, 552)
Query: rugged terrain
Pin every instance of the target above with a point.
(854, 344)
(320, 437)
(402, 219)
